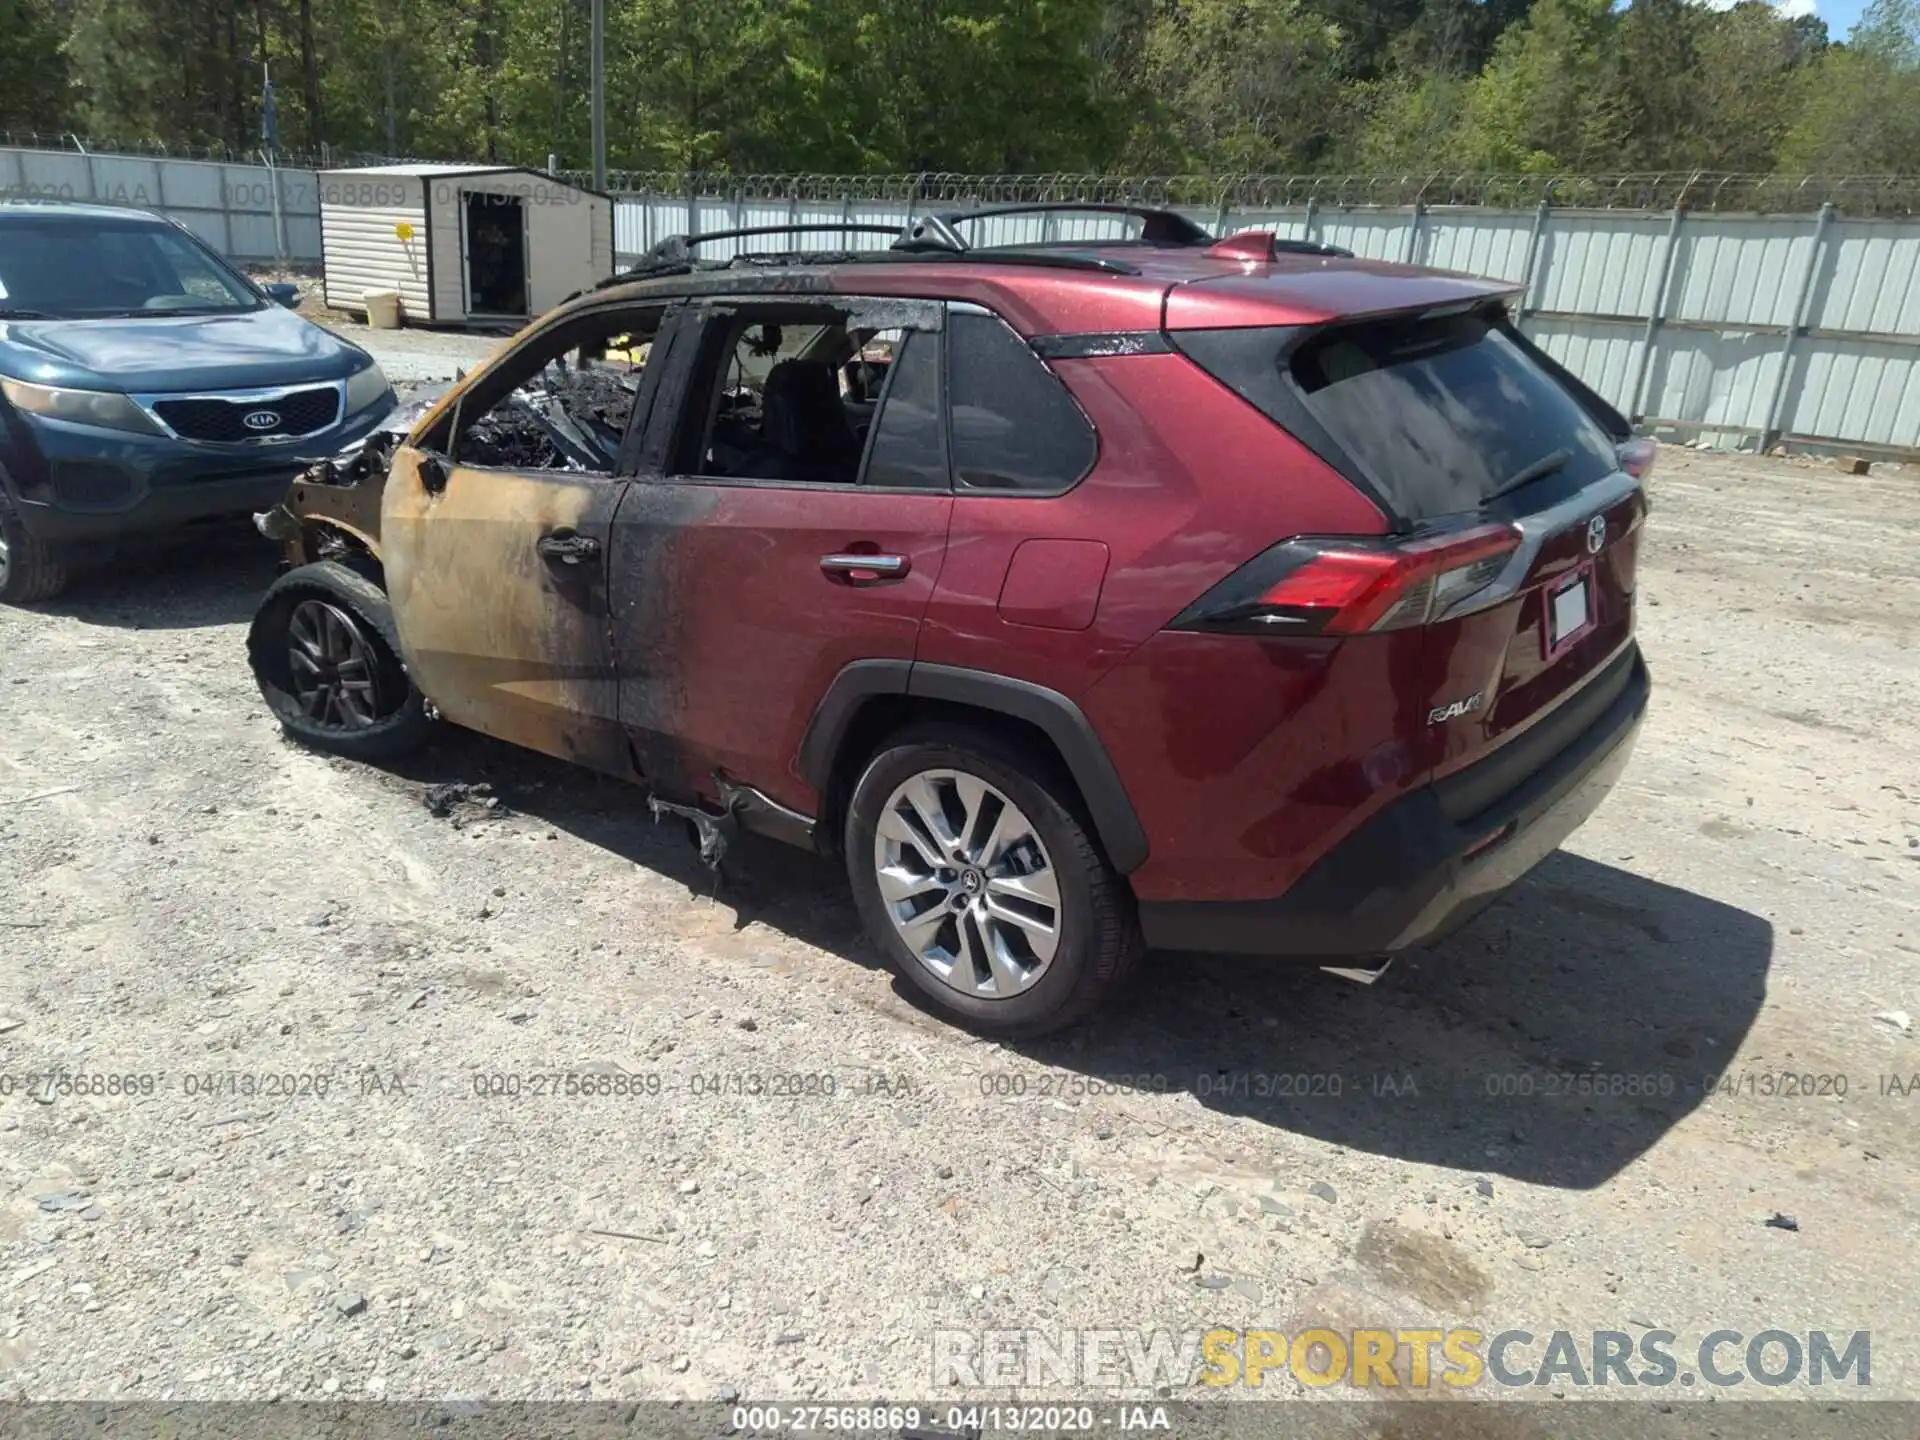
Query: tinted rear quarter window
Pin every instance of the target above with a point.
(908, 449)
(1015, 427)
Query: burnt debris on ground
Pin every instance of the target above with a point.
(463, 803)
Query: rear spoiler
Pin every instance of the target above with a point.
(1313, 290)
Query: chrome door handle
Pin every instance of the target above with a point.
(866, 569)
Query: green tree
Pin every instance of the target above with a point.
(1859, 108)
(1550, 98)
(1249, 85)
(33, 68)
(1656, 63)
(1413, 112)
(981, 85)
(1751, 66)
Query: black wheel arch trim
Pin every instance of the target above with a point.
(1052, 713)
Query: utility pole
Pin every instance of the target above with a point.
(597, 50)
(269, 148)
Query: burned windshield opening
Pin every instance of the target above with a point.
(567, 400)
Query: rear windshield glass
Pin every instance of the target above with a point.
(69, 268)
(1444, 414)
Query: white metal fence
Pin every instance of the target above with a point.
(1738, 310)
(246, 212)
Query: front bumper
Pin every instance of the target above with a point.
(75, 487)
(1420, 868)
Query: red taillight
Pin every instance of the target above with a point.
(1637, 456)
(1350, 586)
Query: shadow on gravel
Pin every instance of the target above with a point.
(1554, 1040)
(790, 890)
(211, 574)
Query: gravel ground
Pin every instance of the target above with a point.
(191, 901)
(412, 356)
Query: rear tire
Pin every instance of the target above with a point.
(29, 571)
(327, 658)
(979, 878)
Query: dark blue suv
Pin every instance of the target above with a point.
(145, 383)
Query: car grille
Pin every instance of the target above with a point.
(298, 412)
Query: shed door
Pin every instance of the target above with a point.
(494, 253)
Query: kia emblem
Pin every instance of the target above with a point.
(261, 419)
(1596, 534)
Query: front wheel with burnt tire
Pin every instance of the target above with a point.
(978, 876)
(327, 657)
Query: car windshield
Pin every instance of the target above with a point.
(68, 268)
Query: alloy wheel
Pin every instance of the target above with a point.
(967, 883)
(332, 664)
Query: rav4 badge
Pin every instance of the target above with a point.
(1442, 713)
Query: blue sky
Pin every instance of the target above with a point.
(1840, 15)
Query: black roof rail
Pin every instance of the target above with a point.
(1309, 247)
(936, 236)
(922, 241)
(906, 254)
(681, 247)
(1159, 226)
(1011, 255)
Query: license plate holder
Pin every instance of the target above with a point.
(1569, 610)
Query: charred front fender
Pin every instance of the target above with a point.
(320, 516)
(334, 505)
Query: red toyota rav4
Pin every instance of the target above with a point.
(1152, 592)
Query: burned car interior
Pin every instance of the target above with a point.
(563, 404)
(782, 392)
(789, 401)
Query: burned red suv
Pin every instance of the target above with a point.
(1145, 592)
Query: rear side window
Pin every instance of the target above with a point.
(1015, 427)
(1438, 414)
(908, 448)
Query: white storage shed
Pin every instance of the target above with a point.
(461, 243)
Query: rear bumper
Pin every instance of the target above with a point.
(1420, 869)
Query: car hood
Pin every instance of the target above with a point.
(252, 348)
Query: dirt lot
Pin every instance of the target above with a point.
(191, 902)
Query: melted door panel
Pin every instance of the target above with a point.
(499, 636)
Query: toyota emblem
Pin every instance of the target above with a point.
(1596, 534)
(261, 419)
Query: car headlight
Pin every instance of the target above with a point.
(105, 408)
(366, 387)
